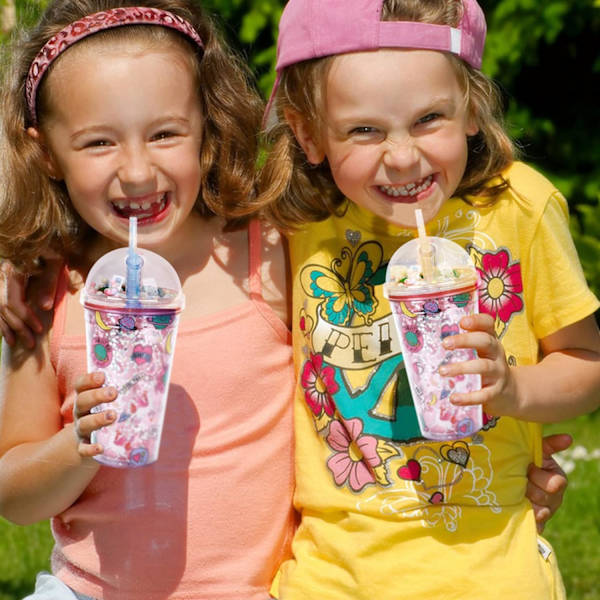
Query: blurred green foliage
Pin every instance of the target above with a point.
(545, 57)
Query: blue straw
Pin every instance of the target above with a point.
(134, 264)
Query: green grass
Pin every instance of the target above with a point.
(574, 531)
(23, 552)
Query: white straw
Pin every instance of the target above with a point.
(420, 223)
(425, 250)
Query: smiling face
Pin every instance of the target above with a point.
(395, 131)
(123, 130)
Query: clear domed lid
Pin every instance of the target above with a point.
(158, 283)
(428, 265)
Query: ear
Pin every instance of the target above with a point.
(305, 136)
(472, 127)
(49, 164)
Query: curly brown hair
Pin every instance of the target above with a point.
(301, 192)
(36, 215)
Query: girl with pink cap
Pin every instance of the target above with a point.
(113, 110)
(380, 108)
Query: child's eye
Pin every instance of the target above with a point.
(362, 130)
(97, 143)
(429, 117)
(163, 135)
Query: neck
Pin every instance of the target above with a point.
(188, 250)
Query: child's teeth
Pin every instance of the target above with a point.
(410, 189)
(142, 208)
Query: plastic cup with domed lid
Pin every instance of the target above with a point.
(132, 299)
(431, 284)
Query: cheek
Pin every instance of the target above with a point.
(451, 152)
(352, 165)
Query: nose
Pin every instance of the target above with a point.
(401, 154)
(136, 170)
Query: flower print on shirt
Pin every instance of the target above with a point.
(500, 287)
(319, 385)
(353, 456)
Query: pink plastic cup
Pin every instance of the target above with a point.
(133, 343)
(425, 312)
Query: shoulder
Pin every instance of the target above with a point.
(533, 190)
(274, 271)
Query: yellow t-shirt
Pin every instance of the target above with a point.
(387, 514)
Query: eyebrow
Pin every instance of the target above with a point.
(88, 131)
(102, 129)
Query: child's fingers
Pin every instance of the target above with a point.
(92, 422)
(86, 450)
(488, 368)
(13, 305)
(484, 343)
(478, 322)
(555, 443)
(483, 396)
(13, 326)
(6, 332)
(89, 381)
(86, 400)
(541, 514)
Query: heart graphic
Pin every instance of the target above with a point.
(457, 453)
(411, 471)
(353, 236)
(138, 457)
(436, 498)
(465, 427)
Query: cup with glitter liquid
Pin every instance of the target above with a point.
(431, 285)
(132, 300)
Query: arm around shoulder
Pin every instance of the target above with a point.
(566, 382)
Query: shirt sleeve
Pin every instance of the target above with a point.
(559, 290)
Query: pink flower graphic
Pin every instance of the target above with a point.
(355, 454)
(501, 285)
(319, 385)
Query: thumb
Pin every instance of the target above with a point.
(556, 443)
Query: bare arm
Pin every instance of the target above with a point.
(564, 384)
(41, 470)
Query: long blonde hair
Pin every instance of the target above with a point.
(305, 192)
(36, 215)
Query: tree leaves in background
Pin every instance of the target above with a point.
(544, 55)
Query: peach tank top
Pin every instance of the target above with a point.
(212, 518)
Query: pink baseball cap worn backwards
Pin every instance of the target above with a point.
(316, 28)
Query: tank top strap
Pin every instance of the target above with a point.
(60, 313)
(255, 258)
(255, 281)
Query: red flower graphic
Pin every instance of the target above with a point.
(319, 385)
(501, 286)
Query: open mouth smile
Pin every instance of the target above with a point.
(142, 208)
(410, 190)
